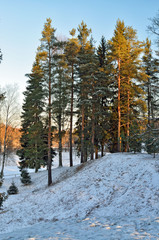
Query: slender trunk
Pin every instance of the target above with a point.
(82, 136)
(93, 126)
(128, 117)
(4, 152)
(85, 154)
(49, 126)
(96, 152)
(4, 144)
(119, 110)
(71, 119)
(36, 158)
(149, 103)
(102, 150)
(60, 143)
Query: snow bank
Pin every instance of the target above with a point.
(118, 189)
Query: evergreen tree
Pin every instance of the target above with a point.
(151, 67)
(46, 53)
(12, 189)
(85, 50)
(32, 143)
(125, 52)
(25, 177)
(118, 54)
(71, 52)
(105, 92)
(60, 96)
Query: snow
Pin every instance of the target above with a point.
(114, 197)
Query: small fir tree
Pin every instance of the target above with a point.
(25, 177)
(12, 189)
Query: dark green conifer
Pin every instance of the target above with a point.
(12, 189)
(25, 177)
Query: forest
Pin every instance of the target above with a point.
(104, 98)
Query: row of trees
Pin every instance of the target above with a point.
(105, 94)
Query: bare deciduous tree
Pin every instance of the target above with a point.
(10, 117)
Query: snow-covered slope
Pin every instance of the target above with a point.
(118, 191)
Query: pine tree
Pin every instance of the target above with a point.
(118, 54)
(105, 92)
(32, 144)
(151, 66)
(46, 53)
(83, 85)
(125, 51)
(71, 52)
(60, 96)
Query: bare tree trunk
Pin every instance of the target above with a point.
(128, 118)
(49, 126)
(4, 150)
(93, 126)
(102, 150)
(60, 143)
(71, 119)
(4, 142)
(96, 152)
(149, 103)
(82, 136)
(36, 158)
(119, 110)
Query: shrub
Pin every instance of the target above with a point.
(12, 189)
(1, 181)
(25, 177)
(3, 197)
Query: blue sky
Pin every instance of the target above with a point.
(21, 23)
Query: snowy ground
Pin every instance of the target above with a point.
(115, 197)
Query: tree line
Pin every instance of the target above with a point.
(107, 95)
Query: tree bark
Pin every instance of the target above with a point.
(96, 152)
(128, 117)
(4, 144)
(71, 119)
(49, 126)
(82, 136)
(119, 110)
(60, 143)
(93, 126)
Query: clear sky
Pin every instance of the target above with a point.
(21, 23)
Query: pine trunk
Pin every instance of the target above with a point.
(119, 110)
(102, 150)
(36, 158)
(82, 136)
(71, 120)
(60, 143)
(149, 103)
(93, 133)
(128, 117)
(49, 126)
(96, 152)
